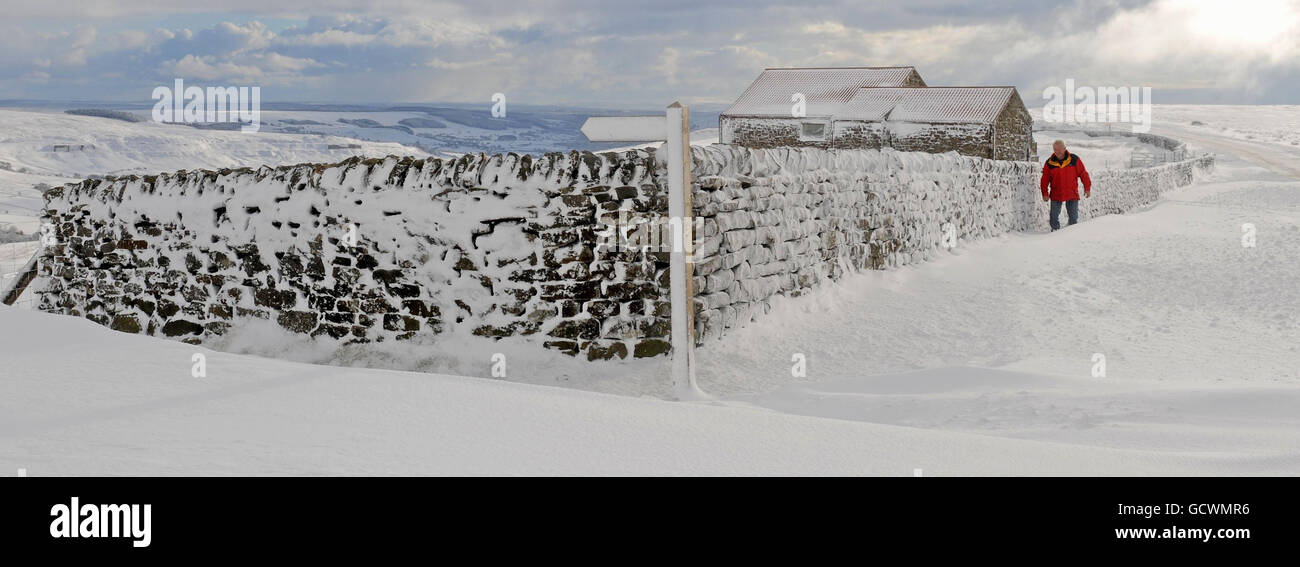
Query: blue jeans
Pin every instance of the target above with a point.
(1071, 209)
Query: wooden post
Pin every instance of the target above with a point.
(680, 272)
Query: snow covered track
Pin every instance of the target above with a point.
(1279, 159)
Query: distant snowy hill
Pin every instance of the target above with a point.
(89, 145)
(290, 133)
(456, 130)
(435, 128)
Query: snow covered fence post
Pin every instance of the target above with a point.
(681, 276)
(674, 129)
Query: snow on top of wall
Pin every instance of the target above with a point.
(824, 89)
(727, 160)
(388, 200)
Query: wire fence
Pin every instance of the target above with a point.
(1162, 149)
(18, 258)
(1158, 157)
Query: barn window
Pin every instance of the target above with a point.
(812, 131)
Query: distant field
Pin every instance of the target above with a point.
(116, 147)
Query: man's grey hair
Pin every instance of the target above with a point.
(1059, 142)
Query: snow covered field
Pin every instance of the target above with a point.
(979, 363)
(1098, 153)
(1278, 124)
(114, 147)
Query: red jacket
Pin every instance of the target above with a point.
(1063, 177)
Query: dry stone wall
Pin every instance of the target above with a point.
(769, 132)
(780, 221)
(368, 250)
(510, 245)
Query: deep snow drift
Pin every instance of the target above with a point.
(77, 398)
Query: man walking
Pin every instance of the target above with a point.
(1060, 183)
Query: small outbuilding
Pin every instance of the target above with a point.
(793, 106)
(855, 108)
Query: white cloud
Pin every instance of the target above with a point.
(329, 38)
(208, 68)
(275, 62)
(667, 64)
(354, 32)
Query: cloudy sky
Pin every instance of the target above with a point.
(638, 54)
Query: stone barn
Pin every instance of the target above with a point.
(987, 122)
(858, 108)
(763, 116)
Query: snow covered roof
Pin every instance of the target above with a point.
(926, 104)
(825, 89)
